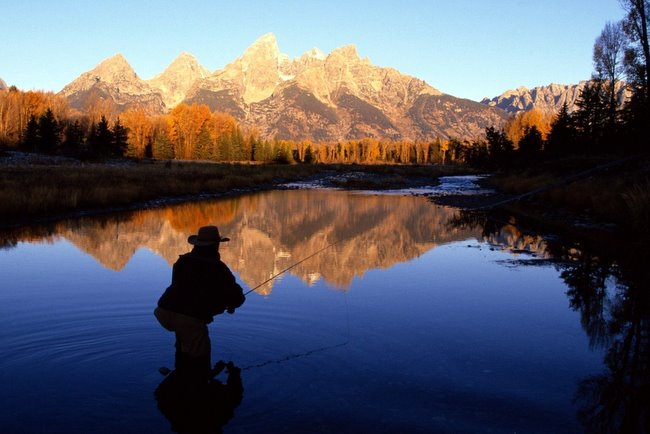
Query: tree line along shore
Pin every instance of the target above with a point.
(530, 150)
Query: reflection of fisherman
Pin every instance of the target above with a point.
(204, 408)
(202, 286)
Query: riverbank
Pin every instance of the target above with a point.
(37, 188)
(616, 196)
(603, 196)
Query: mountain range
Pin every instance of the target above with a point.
(545, 98)
(338, 96)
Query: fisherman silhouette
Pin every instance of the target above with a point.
(200, 408)
(202, 286)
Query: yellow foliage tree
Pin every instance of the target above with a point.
(16, 107)
(517, 126)
(140, 127)
(184, 125)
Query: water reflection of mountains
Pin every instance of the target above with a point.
(270, 231)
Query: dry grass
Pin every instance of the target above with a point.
(41, 190)
(621, 196)
(637, 202)
(44, 189)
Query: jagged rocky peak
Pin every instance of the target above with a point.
(253, 76)
(549, 98)
(291, 68)
(257, 71)
(3, 85)
(176, 80)
(263, 55)
(347, 53)
(185, 61)
(265, 46)
(115, 69)
(314, 53)
(115, 81)
(314, 96)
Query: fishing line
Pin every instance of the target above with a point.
(290, 267)
(312, 351)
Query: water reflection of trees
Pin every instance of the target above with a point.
(608, 285)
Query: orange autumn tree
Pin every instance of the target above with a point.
(517, 126)
(16, 108)
(140, 131)
(184, 124)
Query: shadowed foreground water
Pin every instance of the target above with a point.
(407, 324)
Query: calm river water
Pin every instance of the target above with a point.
(418, 319)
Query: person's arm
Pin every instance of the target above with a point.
(233, 293)
(235, 296)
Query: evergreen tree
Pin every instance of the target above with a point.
(592, 115)
(163, 148)
(263, 150)
(256, 149)
(236, 144)
(281, 152)
(148, 149)
(561, 140)
(309, 155)
(531, 143)
(100, 141)
(225, 147)
(120, 135)
(203, 148)
(499, 146)
(477, 154)
(30, 139)
(73, 139)
(48, 133)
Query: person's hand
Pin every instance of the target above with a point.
(218, 367)
(232, 369)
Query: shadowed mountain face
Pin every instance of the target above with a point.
(273, 230)
(315, 96)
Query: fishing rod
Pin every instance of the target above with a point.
(311, 351)
(165, 371)
(290, 267)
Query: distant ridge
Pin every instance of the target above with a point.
(315, 96)
(548, 99)
(3, 85)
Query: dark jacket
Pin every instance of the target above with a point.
(202, 286)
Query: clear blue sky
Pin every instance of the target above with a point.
(466, 48)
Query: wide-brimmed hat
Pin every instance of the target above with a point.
(207, 236)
